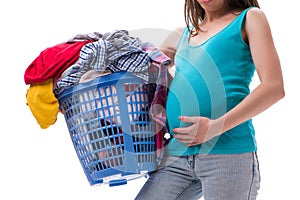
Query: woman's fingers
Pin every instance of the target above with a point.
(189, 119)
(184, 135)
(184, 138)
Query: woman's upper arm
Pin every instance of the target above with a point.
(169, 45)
(262, 47)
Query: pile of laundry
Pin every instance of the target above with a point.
(91, 55)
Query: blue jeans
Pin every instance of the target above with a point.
(213, 176)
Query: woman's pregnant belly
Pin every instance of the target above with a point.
(192, 94)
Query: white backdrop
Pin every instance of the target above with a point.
(42, 164)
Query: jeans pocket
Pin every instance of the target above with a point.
(256, 169)
(255, 185)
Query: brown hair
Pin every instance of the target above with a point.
(194, 13)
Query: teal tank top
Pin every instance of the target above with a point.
(210, 79)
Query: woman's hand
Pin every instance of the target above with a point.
(201, 130)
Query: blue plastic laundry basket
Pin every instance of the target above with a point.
(110, 127)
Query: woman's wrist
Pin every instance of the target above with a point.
(218, 126)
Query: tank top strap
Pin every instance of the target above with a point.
(240, 19)
(184, 34)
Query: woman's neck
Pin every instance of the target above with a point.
(211, 16)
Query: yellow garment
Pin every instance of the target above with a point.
(42, 103)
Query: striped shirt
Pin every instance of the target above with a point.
(115, 52)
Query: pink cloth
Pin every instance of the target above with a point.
(158, 104)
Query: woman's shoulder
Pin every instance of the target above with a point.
(169, 45)
(175, 35)
(257, 26)
(255, 14)
(178, 30)
(256, 20)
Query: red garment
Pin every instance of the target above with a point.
(53, 61)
